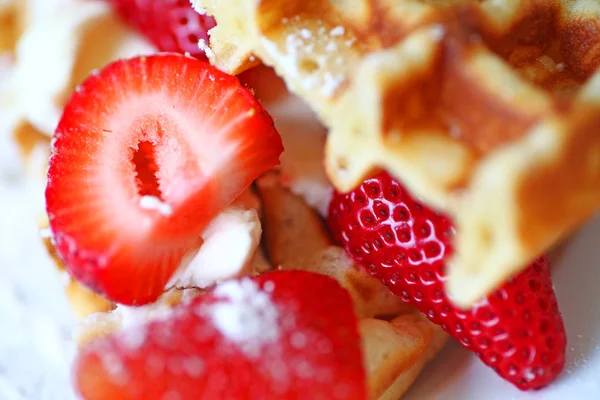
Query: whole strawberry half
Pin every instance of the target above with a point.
(147, 153)
(171, 25)
(518, 330)
(282, 335)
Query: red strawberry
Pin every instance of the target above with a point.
(172, 25)
(282, 335)
(518, 330)
(147, 153)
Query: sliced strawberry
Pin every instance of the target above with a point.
(147, 153)
(171, 25)
(282, 335)
(518, 330)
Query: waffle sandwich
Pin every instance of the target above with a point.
(487, 110)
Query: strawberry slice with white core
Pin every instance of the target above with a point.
(147, 153)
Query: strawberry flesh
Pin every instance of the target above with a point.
(282, 335)
(147, 153)
(518, 330)
(171, 25)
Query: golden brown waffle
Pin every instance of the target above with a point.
(395, 352)
(488, 110)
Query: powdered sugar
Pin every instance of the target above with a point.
(311, 54)
(337, 31)
(193, 366)
(206, 48)
(149, 202)
(197, 7)
(331, 47)
(246, 315)
(113, 365)
(305, 33)
(330, 83)
(131, 322)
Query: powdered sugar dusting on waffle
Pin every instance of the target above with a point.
(337, 31)
(303, 61)
(246, 315)
(132, 322)
(206, 48)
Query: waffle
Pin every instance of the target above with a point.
(487, 110)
